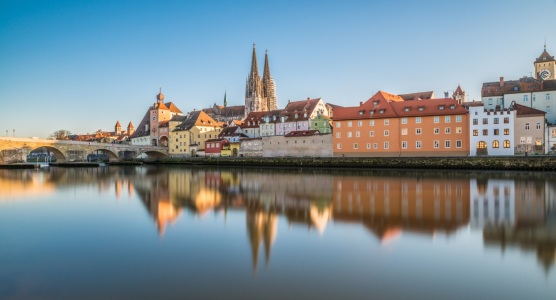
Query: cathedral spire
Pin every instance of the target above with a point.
(225, 101)
(254, 66)
(266, 71)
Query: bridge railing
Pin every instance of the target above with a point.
(68, 142)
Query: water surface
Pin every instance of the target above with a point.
(176, 232)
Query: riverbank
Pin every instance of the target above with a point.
(540, 163)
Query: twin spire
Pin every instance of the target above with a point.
(260, 94)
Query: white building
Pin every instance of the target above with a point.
(491, 131)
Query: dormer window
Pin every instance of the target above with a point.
(361, 112)
(421, 108)
(441, 107)
(382, 111)
(407, 109)
(452, 106)
(372, 112)
(375, 103)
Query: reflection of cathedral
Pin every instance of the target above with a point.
(261, 228)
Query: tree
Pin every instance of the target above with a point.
(61, 134)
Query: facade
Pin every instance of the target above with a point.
(260, 94)
(459, 95)
(529, 130)
(321, 123)
(148, 132)
(189, 137)
(538, 92)
(214, 147)
(491, 131)
(251, 147)
(550, 139)
(386, 125)
(307, 143)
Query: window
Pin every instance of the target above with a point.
(404, 131)
(553, 132)
(506, 144)
(436, 130)
(525, 98)
(436, 144)
(436, 119)
(522, 140)
(495, 144)
(360, 123)
(447, 144)
(404, 120)
(547, 97)
(371, 133)
(418, 144)
(386, 145)
(386, 133)
(386, 121)
(338, 146)
(538, 125)
(338, 135)
(489, 101)
(506, 120)
(458, 119)
(372, 123)
(441, 107)
(355, 146)
(459, 130)
(368, 145)
(496, 120)
(417, 130)
(418, 120)
(485, 120)
(338, 124)
(447, 119)
(485, 132)
(349, 123)
(475, 132)
(349, 134)
(526, 126)
(506, 131)
(404, 144)
(458, 144)
(375, 145)
(357, 134)
(447, 130)
(475, 121)
(496, 131)
(481, 145)
(547, 109)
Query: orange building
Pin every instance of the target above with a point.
(387, 125)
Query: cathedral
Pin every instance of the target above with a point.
(260, 94)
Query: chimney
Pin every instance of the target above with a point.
(501, 81)
(446, 94)
(308, 98)
(360, 103)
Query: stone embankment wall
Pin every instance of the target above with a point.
(251, 148)
(540, 163)
(303, 146)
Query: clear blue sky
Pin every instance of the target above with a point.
(83, 65)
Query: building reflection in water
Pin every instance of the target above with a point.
(512, 210)
(517, 213)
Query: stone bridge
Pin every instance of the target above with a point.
(14, 150)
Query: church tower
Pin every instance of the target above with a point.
(459, 95)
(269, 87)
(118, 128)
(253, 88)
(260, 94)
(545, 66)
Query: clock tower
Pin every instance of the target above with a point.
(545, 66)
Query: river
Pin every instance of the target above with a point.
(151, 232)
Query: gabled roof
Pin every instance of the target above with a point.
(430, 107)
(178, 118)
(253, 119)
(524, 111)
(173, 108)
(377, 107)
(544, 57)
(308, 105)
(140, 132)
(417, 96)
(118, 124)
(197, 118)
(499, 88)
(458, 91)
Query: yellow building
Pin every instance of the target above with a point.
(192, 133)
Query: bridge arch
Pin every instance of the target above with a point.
(60, 156)
(153, 154)
(111, 155)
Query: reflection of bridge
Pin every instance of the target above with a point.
(16, 149)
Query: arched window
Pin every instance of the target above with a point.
(481, 145)
(495, 144)
(507, 144)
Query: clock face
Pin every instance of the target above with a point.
(545, 74)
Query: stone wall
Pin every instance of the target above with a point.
(251, 148)
(319, 145)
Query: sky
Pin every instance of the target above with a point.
(83, 65)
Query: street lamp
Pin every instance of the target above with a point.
(14, 133)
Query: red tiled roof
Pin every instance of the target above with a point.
(544, 57)
(301, 133)
(173, 108)
(299, 106)
(523, 85)
(377, 107)
(522, 110)
(430, 107)
(418, 96)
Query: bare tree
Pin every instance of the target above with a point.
(61, 134)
